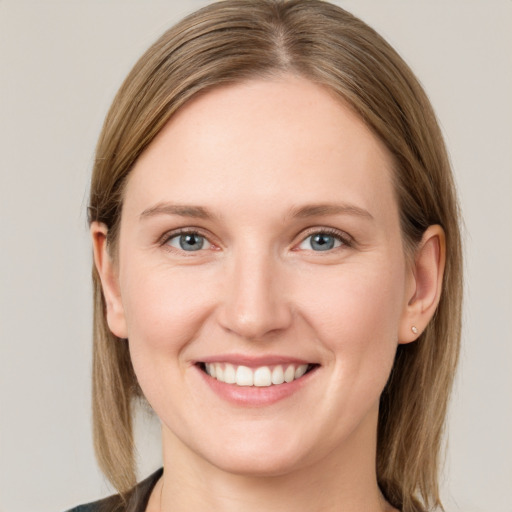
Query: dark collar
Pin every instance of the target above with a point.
(137, 498)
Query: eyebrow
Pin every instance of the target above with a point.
(197, 212)
(302, 212)
(314, 210)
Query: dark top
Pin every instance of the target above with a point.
(136, 500)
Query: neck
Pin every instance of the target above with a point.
(343, 480)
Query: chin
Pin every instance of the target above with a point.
(262, 457)
(259, 465)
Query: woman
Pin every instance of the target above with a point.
(277, 268)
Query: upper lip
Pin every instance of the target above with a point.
(254, 361)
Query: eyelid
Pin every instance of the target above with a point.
(346, 239)
(189, 230)
(342, 236)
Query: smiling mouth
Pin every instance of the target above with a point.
(262, 376)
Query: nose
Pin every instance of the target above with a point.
(254, 303)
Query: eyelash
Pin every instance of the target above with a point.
(164, 240)
(345, 239)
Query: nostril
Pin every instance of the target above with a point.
(254, 305)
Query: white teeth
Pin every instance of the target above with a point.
(277, 375)
(244, 376)
(262, 376)
(300, 371)
(229, 374)
(289, 373)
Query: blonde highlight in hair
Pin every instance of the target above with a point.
(235, 40)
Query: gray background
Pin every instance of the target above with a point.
(60, 65)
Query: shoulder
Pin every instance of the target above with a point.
(136, 500)
(111, 504)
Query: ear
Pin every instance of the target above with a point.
(107, 271)
(424, 284)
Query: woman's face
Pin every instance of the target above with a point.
(260, 239)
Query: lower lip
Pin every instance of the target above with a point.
(255, 396)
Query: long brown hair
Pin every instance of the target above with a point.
(235, 40)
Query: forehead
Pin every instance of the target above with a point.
(272, 142)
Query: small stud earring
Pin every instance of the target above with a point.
(414, 329)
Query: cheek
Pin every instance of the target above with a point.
(164, 307)
(166, 310)
(355, 314)
(360, 297)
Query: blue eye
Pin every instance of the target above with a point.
(320, 242)
(189, 242)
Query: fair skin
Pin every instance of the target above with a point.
(260, 229)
